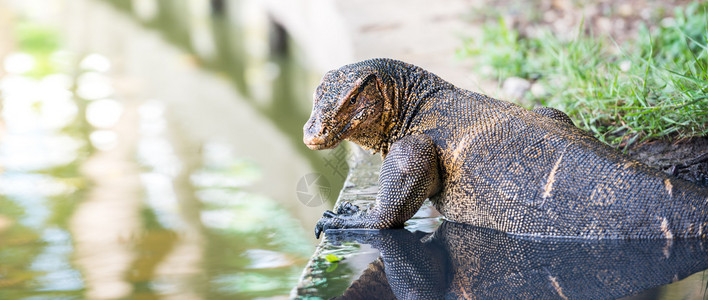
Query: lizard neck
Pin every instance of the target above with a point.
(409, 89)
(405, 90)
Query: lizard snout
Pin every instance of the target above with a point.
(313, 135)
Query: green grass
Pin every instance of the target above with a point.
(654, 87)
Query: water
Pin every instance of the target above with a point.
(153, 148)
(457, 261)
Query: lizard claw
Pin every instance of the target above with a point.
(345, 213)
(322, 224)
(318, 231)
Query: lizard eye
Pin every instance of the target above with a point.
(352, 99)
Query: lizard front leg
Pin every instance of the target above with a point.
(409, 175)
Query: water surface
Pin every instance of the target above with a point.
(458, 261)
(153, 148)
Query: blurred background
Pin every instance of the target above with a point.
(152, 148)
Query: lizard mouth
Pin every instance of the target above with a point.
(320, 142)
(315, 146)
(325, 141)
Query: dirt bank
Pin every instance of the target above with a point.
(686, 159)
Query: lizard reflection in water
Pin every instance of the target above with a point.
(460, 261)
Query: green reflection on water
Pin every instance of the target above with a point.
(39, 41)
(37, 203)
(19, 245)
(150, 248)
(256, 249)
(252, 246)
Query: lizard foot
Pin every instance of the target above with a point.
(346, 212)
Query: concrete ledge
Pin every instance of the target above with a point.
(322, 278)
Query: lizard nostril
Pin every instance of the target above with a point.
(310, 128)
(314, 132)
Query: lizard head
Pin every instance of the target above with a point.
(348, 104)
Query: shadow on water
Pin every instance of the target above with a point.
(458, 261)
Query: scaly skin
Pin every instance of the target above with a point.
(491, 163)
